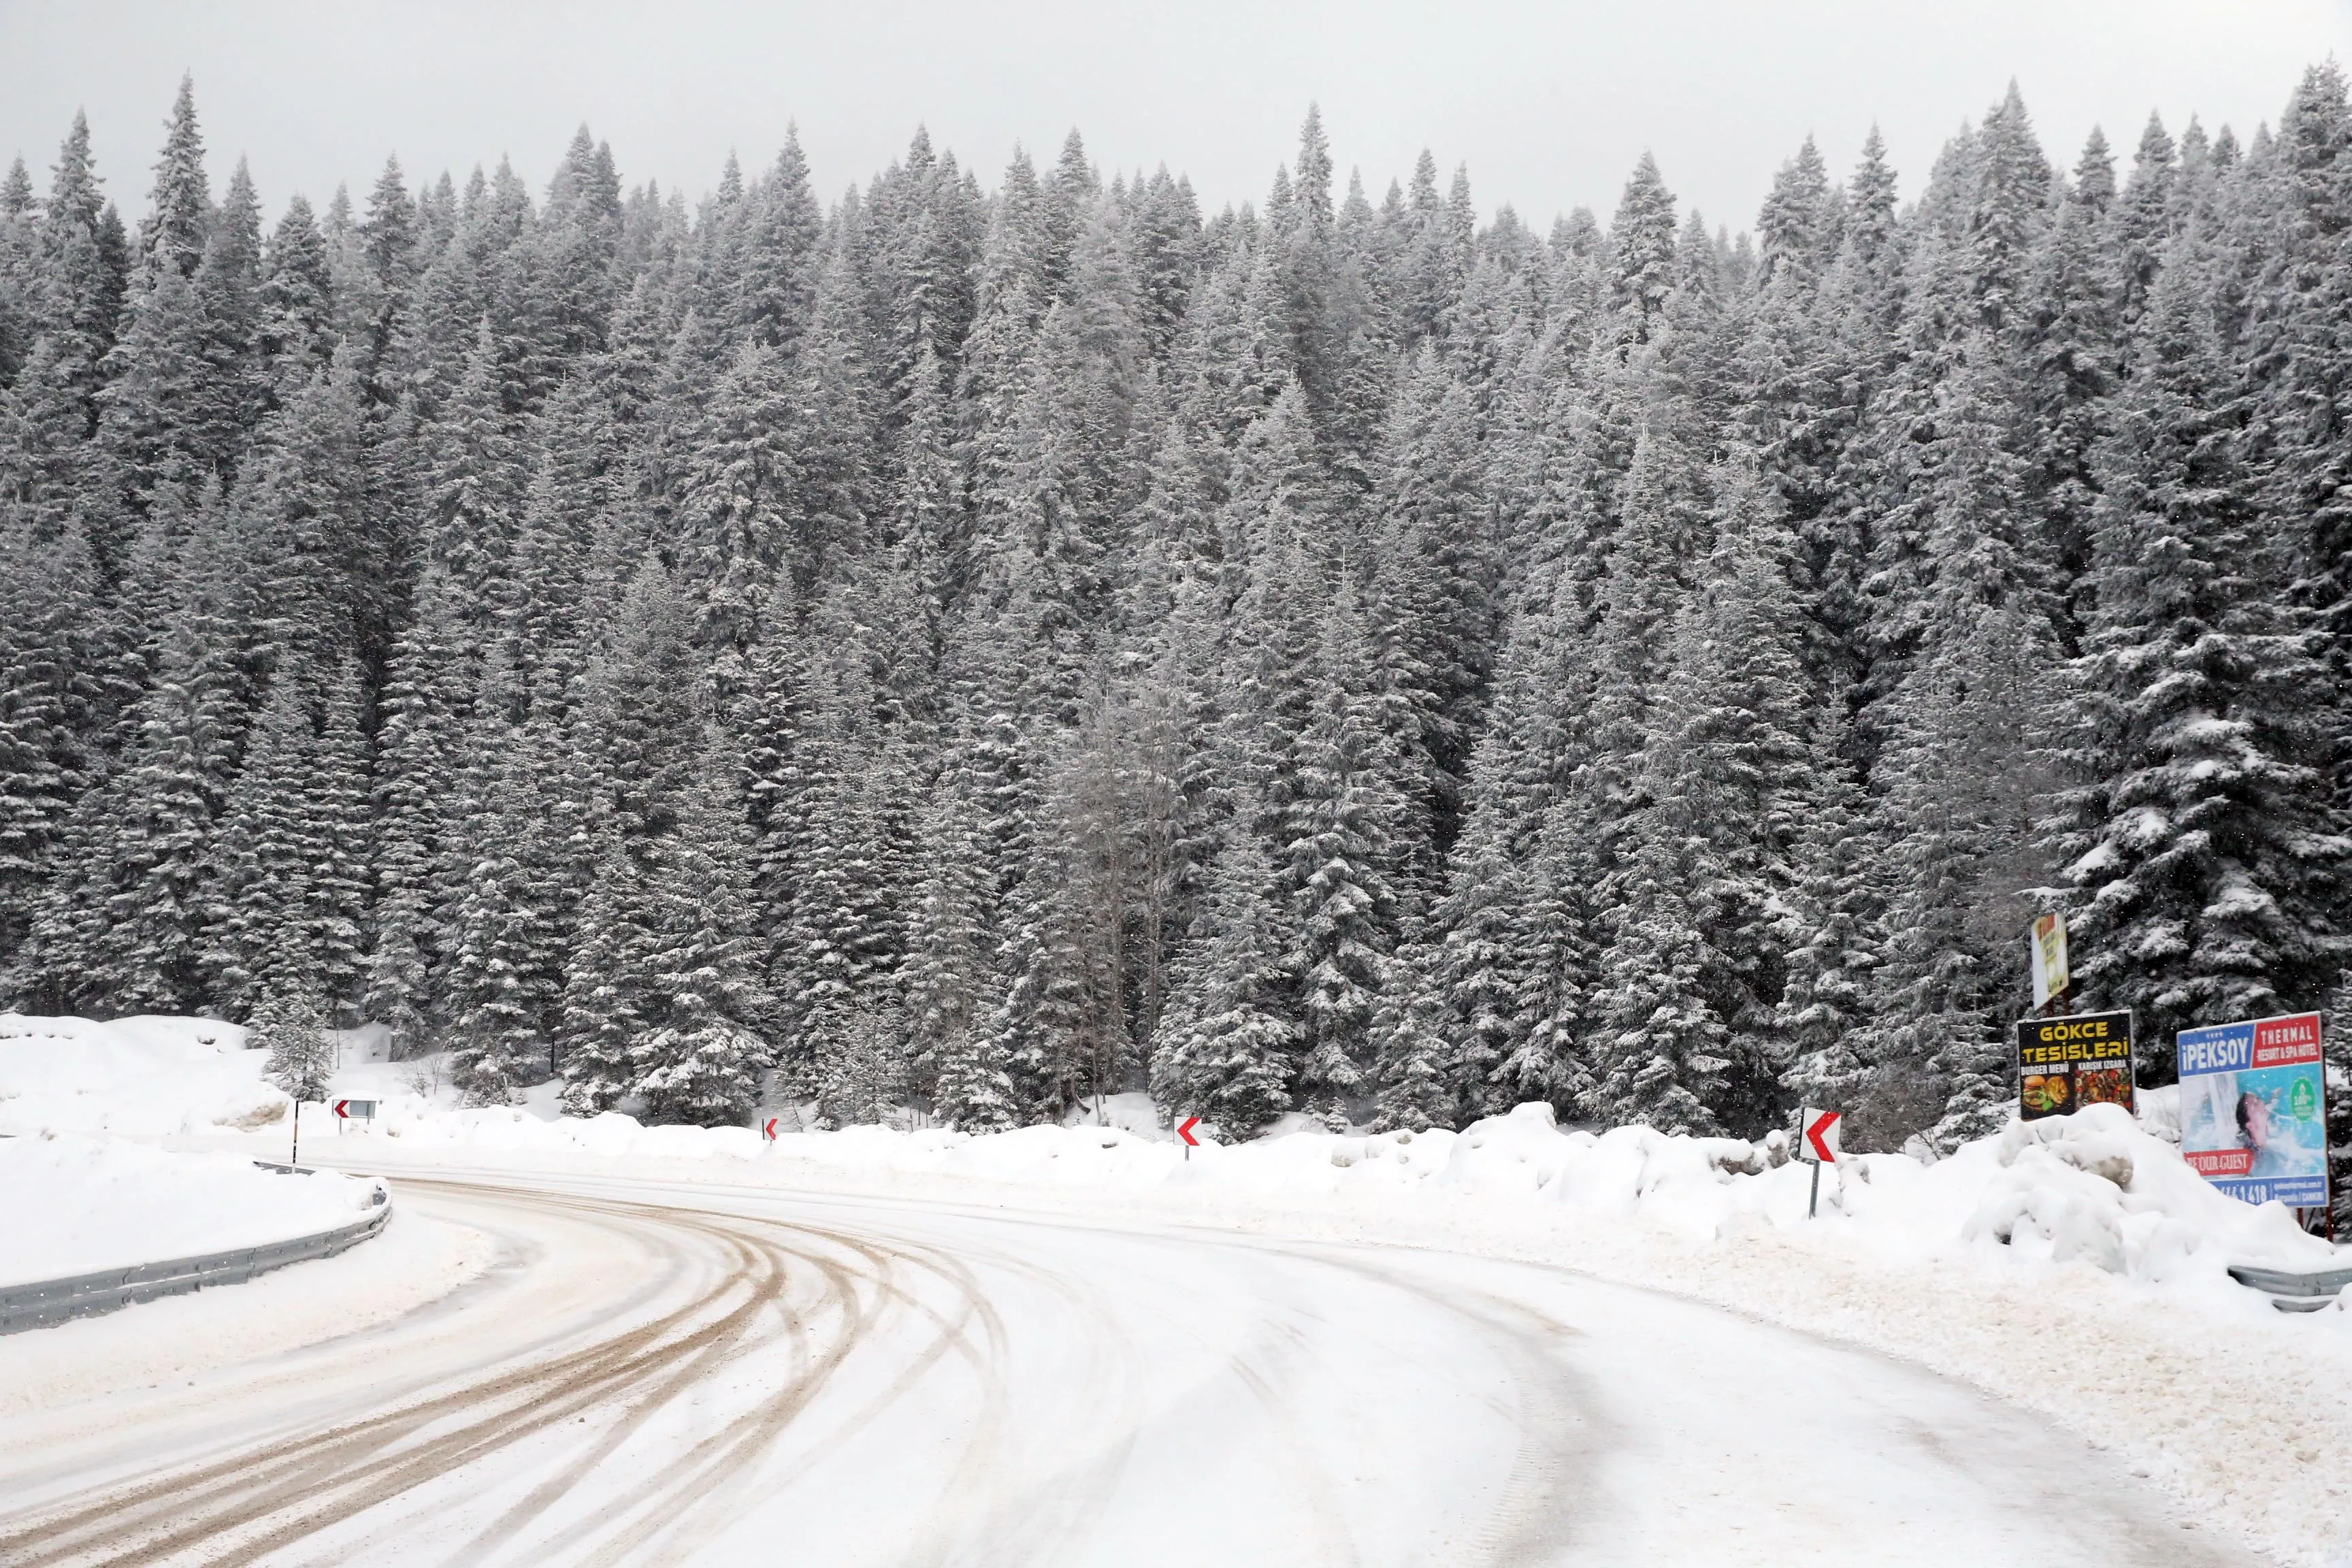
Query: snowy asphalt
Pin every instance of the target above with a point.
(656, 1373)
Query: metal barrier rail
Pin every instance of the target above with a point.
(2292, 1291)
(48, 1302)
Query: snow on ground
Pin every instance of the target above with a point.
(135, 1076)
(414, 1261)
(2075, 1266)
(79, 1204)
(79, 1200)
(2094, 1186)
(148, 1077)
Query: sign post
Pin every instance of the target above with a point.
(768, 1129)
(347, 1109)
(2071, 1062)
(1817, 1145)
(1184, 1131)
(2253, 1109)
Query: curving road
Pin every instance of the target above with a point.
(655, 1375)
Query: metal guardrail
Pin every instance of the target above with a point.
(48, 1302)
(2286, 1282)
(2293, 1291)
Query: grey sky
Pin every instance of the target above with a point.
(1549, 103)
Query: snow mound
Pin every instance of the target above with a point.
(146, 1077)
(80, 1204)
(155, 1076)
(2094, 1187)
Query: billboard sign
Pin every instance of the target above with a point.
(2048, 944)
(2253, 1117)
(2065, 1064)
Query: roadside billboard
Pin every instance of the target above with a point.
(2065, 1064)
(2253, 1109)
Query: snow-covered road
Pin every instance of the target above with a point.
(710, 1374)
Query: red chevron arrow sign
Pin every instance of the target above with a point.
(768, 1129)
(1184, 1131)
(1820, 1130)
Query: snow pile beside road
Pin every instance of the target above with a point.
(76, 1206)
(142, 1077)
(2091, 1187)
(153, 1077)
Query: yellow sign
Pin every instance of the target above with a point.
(2065, 1064)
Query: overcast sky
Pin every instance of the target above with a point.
(1549, 103)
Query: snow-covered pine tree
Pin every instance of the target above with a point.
(2288, 223)
(1340, 826)
(1409, 1068)
(1698, 957)
(2207, 849)
(504, 973)
(843, 938)
(45, 615)
(295, 305)
(286, 885)
(473, 476)
(607, 991)
(1836, 903)
(1227, 1047)
(1431, 576)
(948, 986)
(1555, 985)
(303, 1051)
(125, 929)
(709, 1008)
(426, 700)
(1642, 249)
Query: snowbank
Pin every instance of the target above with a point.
(143, 1076)
(153, 1077)
(2093, 1187)
(80, 1204)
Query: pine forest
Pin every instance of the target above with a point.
(985, 645)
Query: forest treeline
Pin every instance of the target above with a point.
(988, 648)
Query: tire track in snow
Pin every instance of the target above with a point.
(258, 1499)
(1563, 1429)
(714, 1473)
